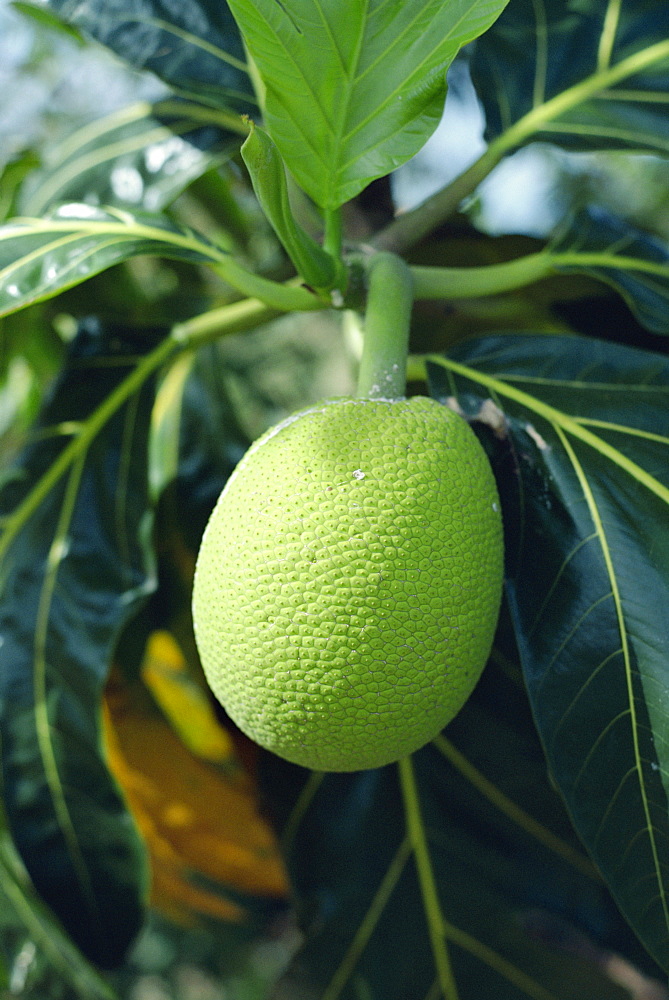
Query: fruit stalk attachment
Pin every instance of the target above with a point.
(386, 330)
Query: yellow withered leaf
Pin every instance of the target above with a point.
(186, 705)
(202, 826)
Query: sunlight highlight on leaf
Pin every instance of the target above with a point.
(195, 48)
(41, 257)
(140, 157)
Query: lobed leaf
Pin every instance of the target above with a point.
(585, 492)
(592, 75)
(73, 574)
(354, 90)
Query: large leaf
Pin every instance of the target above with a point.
(41, 257)
(195, 47)
(353, 90)
(73, 573)
(592, 75)
(585, 490)
(21, 903)
(515, 901)
(634, 263)
(140, 157)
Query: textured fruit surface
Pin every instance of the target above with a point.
(349, 580)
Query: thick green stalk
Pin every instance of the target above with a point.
(386, 332)
(333, 232)
(471, 282)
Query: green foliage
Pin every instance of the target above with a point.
(144, 260)
(589, 438)
(195, 48)
(587, 76)
(635, 263)
(266, 170)
(140, 157)
(386, 65)
(62, 611)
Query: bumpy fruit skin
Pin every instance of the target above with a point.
(349, 581)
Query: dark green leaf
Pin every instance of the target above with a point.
(354, 90)
(41, 257)
(634, 263)
(141, 157)
(76, 570)
(591, 75)
(517, 909)
(585, 492)
(194, 47)
(210, 443)
(28, 911)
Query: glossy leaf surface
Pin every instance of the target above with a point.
(634, 263)
(585, 492)
(140, 157)
(592, 75)
(41, 257)
(194, 47)
(74, 573)
(353, 90)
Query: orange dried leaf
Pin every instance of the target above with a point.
(201, 826)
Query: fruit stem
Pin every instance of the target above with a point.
(386, 331)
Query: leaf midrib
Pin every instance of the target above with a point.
(565, 426)
(558, 419)
(632, 710)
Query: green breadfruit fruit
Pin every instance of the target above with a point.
(349, 581)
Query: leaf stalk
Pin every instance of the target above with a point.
(471, 282)
(413, 226)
